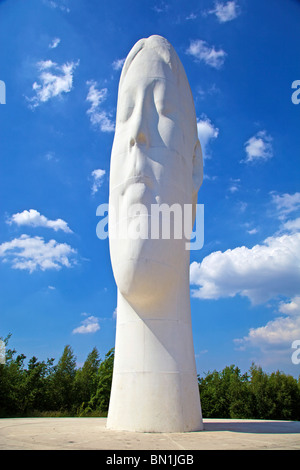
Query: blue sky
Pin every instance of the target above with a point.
(60, 61)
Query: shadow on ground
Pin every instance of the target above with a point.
(263, 427)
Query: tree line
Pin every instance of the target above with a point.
(43, 388)
(252, 395)
(47, 389)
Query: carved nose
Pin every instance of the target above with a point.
(139, 135)
(139, 139)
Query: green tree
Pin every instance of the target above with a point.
(225, 394)
(11, 382)
(36, 385)
(283, 389)
(275, 396)
(262, 401)
(239, 395)
(62, 383)
(100, 400)
(212, 400)
(43, 386)
(85, 383)
(214, 392)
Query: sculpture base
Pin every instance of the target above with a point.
(155, 402)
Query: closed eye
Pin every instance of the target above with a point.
(125, 113)
(164, 110)
(164, 107)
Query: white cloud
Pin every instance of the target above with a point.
(54, 43)
(292, 226)
(241, 206)
(286, 203)
(210, 90)
(280, 330)
(233, 188)
(274, 339)
(226, 11)
(98, 117)
(98, 176)
(259, 273)
(32, 253)
(89, 325)
(206, 132)
(203, 52)
(259, 147)
(53, 80)
(291, 308)
(191, 16)
(60, 4)
(33, 218)
(253, 231)
(50, 157)
(209, 178)
(118, 64)
(235, 185)
(161, 8)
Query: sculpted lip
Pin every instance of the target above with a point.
(146, 180)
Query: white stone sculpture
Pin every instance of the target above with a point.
(156, 159)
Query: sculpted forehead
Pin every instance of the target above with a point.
(150, 77)
(159, 64)
(154, 48)
(149, 63)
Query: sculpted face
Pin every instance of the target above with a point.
(152, 162)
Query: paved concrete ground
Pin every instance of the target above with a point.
(91, 433)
